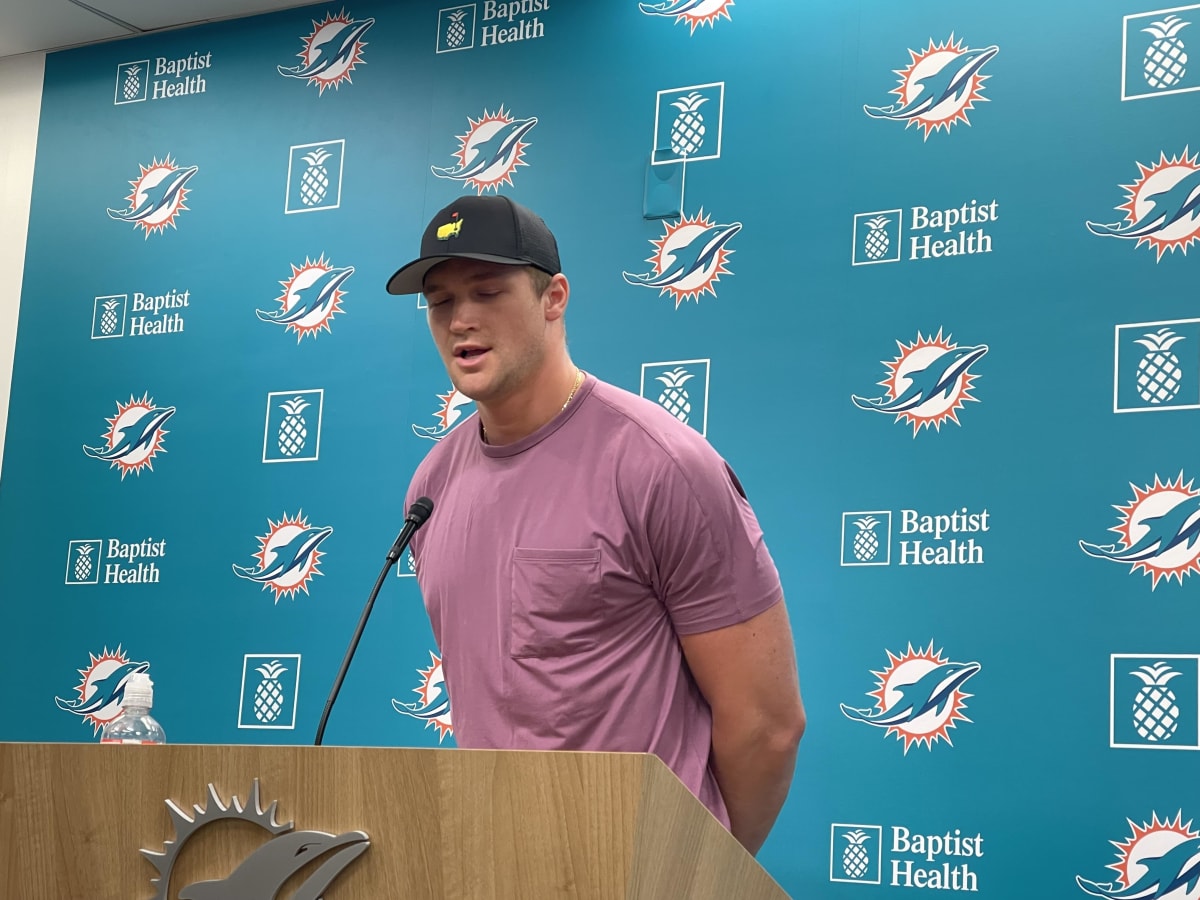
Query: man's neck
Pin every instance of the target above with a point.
(520, 416)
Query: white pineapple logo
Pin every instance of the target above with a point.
(866, 541)
(108, 320)
(1155, 710)
(1165, 62)
(268, 696)
(687, 131)
(854, 858)
(1158, 372)
(293, 430)
(674, 397)
(456, 31)
(412, 563)
(83, 561)
(133, 82)
(314, 184)
(877, 241)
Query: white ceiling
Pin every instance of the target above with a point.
(30, 25)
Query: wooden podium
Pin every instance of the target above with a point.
(378, 823)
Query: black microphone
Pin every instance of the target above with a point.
(421, 510)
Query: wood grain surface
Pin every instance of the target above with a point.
(494, 825)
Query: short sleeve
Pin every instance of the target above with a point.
(712, 564)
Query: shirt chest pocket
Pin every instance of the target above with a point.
(555, 600)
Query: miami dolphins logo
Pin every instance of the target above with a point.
(157, 197)
(1159, 859)
(310, 299)
(454, 406)
(688, 259)
(1162, 209)
(919, 697)
(695, 12)
(134, 436)
(434, 705)
(287, 857)
(927, 383)
(331, 52)
(102, 690)
(1159, 532)
(490, 151)
(287, 558)
(938, 86)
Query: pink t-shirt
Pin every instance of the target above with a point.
(557, 572)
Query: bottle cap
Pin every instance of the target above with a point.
(139, 691)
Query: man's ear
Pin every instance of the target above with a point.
(556, 297)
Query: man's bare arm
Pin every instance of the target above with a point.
(747, 673)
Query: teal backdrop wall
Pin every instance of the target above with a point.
(920, 272)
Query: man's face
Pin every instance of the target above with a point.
(489, 326)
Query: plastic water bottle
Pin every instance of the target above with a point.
(135, 725)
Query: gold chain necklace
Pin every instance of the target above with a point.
(566, 403)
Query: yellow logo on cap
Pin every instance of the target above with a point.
(449, 230)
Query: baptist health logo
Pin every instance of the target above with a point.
(113, 561)
(171, 78)
(502, 23)
(1158, 533)
(938, 87)
(1160, 208)
(915, 860)
(1154, 57)
(1157, 366)
(688, 123)
(1154, 701)
(292, 432)
(929, 539)
(681, 388)
(314, 176)
(933, 233)
(147, 315)
(1156, 859)
(270, 687)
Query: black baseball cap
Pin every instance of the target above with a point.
(492, 228)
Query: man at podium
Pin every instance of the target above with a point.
(594, 575)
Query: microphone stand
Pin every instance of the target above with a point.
(417, 514)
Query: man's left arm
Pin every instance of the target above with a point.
(747, 673)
